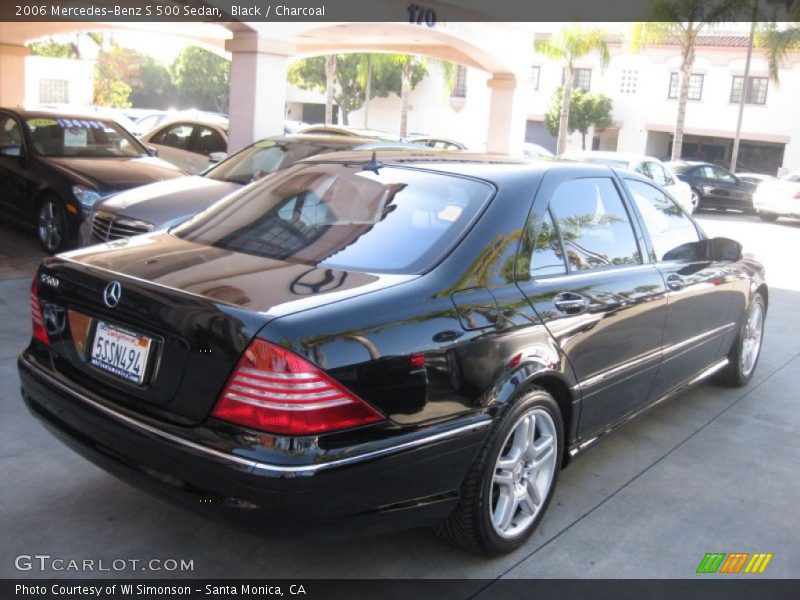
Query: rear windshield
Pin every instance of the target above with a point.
(344, 217)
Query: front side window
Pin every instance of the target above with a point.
(62, 136)
(208, 141)
(595, 228)
(344, 217)
(695, 86)
(672, 233)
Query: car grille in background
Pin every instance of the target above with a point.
(108, 226)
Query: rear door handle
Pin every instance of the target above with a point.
(675, 282)
(571, 303)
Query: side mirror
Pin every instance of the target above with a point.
(152, 151)
(724, 249)
(216, 157)
(15, 151)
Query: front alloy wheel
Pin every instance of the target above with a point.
(695, 201)
(509, 486)
(52, 226)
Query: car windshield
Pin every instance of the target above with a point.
(388, 220)
(70, 136)
(262, 158)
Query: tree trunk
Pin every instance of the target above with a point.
(330, 74)
(686, 72)
(583, 140)
(563, 124)
(343, 116)
(406, 77)
(367, 91)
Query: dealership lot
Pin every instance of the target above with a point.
(712, 471)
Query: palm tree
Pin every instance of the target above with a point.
(330, 83)
(777, 43)
(684, 21)
(567, 46)
(412, 69)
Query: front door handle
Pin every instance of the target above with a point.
(571, 303)
(675, 282)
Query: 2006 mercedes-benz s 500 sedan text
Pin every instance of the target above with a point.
(362, 342)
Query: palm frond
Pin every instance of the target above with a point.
(777, 44)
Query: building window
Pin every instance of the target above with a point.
(54, 91)
(695, 86)
(627, 84)
(756, 90)
(536, 71)
(460, 89)
(581, 78)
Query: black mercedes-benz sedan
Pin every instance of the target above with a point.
(362, 342)
(54, 167)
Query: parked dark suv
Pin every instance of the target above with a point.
(54, 167)
(363, 342)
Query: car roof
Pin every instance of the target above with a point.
(465, 163)
(341, 141)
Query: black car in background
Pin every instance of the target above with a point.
(714, 187)
(167, 203)
(54, 167)
(363, 342)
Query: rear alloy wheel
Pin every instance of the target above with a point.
(52, 225)
(744, 354)
(768, 217)
(509, 487)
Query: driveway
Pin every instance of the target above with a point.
(712, 471)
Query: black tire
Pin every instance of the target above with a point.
(52, 226)
(735, 374)
(768, 217)
(697, 201)
(470, 526)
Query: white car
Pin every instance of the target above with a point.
(189, 144)
(645, 165)
(778, 198)
(531, 150)
(755, 177)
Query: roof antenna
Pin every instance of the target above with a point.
(373, 164)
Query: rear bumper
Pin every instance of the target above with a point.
(408, 481)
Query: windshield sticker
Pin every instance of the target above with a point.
(41, 122)
(75, 137)
(264, 144)
(86, 123)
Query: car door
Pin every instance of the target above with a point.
(173, 144)
(205, 142)
(14, 162)
(602, 302)
(701, 292)
(721, 189)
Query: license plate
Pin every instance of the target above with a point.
(120, 352)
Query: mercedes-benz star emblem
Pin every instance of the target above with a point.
(112, 294)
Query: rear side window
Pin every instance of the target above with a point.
(672, 233)
(175, 136)
(208, 141)
(548, 257)
(595, 227)
(344, 217)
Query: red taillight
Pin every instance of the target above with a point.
(276, 391)
(39, 331)
(797, 196)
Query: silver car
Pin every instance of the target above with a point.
(164, 204)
